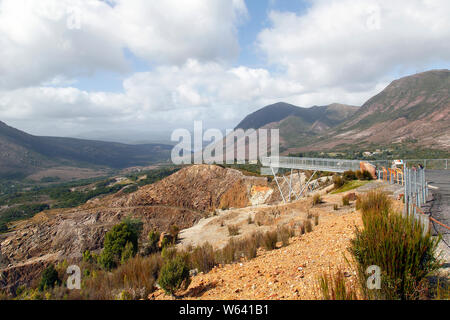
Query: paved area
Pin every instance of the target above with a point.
(439, 207)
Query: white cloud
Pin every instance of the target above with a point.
(40, 42)
(337, 51)
(176, 94)
(170, 31)
(354, 44)
(47, 39)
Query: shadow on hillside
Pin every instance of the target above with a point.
(200, 289)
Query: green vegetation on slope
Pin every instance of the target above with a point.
(22, 201)
(350, 185)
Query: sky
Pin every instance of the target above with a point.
(132, 68)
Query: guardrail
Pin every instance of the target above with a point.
(436, 164)
(319, 164)
(416, 189)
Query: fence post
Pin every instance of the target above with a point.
(415, 192)
(423, 187)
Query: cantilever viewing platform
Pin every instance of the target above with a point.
(316, 164)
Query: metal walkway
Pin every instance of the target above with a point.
(272, 165)
(315, 164)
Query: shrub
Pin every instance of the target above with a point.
(308, 226)
(107, 260)
(166, 243)
(49, 278)
(374, 201)
(302, 228)
(338, 181)
(203, 258)
(173, 275)
(359, 175)
(317, 199)
(233, 230)
(153, 238)
(270, 239)
(316, 220)
(249, 247)
(249, 219)
(152, 245)
(335, 207)
(168, 253)
(284, 235)
(257, 238)
(349, 175)
(128, 252)
(345, 201)
(336, 288)
(228, 253)
(367, 175)
(174, 231)
(398, 245)
(116, 240)
(88, 257)
(364, 175)
(135, 279)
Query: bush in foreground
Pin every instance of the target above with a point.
(270, 239)
(335, 287)
(174, 275)
(203, 258)
(134, 279)
(398, 245)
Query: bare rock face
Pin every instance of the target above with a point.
(202, 188)
(181, 199)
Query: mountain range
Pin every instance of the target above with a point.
(414, 108)
(22, 154)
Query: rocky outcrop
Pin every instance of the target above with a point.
(181, 199)
(203, 188)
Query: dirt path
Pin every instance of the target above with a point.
(286, 273)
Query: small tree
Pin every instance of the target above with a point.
(128, 252)
(49, 278)
(153, 239)
(116, 240)
(349, 175)
(173, 275)
(174, 231)
(338, 181)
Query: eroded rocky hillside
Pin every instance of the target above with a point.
(181, 199)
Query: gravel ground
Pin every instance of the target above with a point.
(439, 207)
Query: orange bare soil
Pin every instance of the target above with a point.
(285, 273)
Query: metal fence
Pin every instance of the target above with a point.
(319, 164)
(434, 164)
(416, 189)
(416, 194)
